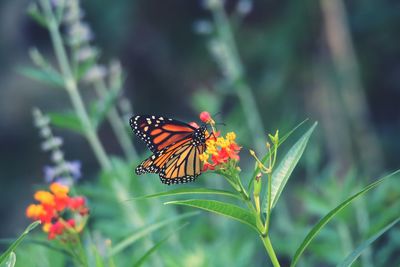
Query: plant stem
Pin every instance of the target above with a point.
(269, 187)
(267, 220)
(243, 190)
(117, 125)
(263, 235)
(270, 250)
(72, 89)
(236, 77)
(81, 252)
(120, 190)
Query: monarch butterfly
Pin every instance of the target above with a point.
(176, 147)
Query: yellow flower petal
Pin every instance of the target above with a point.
(59, 189)
(46, 227)
(34, 211)
(44, 197)
(204, 157)
(231, 136)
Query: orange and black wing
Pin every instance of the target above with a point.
(178, 163)
(159, 132)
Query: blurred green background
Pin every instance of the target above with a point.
(336, 62)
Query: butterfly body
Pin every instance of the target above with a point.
(176, 147)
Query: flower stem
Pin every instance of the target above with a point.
(269, 204)
(236, 76)
(71, 87)
(120, 190)
(272, 160)
(242, 189)
(263, 235)
(270, 250)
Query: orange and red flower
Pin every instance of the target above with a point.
(221, 149)
(51, 210)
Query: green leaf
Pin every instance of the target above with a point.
(47, 76)
(266, 157)
(190, 191)
(285, 168)
(97, 257)
(327, 218)
(144, 232)
(225, 209)
(83, 67)
(103, 106)
(155, 247)
(34, 12)
(15, 244)
(69, 121)
(357, 252)
(11, 260)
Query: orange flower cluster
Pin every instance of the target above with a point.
(221, 149)
(52, 209)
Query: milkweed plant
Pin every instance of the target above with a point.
(97, 223)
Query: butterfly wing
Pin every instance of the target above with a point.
(178, 163)
(159, 132)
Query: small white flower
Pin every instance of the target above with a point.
(57, 156)
(79, 33)
(40, 120)
(95, 73)
(45, 132)
(86, 53)
(73, 12)
(52, 143)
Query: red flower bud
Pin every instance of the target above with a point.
(76, 203)
(56, 228)
(71, 223)
(205, 117)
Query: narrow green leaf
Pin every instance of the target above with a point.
(103, 106)
(34, 12)
(327, 218)
(15, 244)
(144, 232)
(69, 121)
(190, 191)
(97, 257)
(155, 247)
(285, 168)
(357, 252)
(12, 259)
(225, 209)
(83, 68)
(47, 76)
(266, 157)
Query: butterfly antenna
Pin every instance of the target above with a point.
(216, 114)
